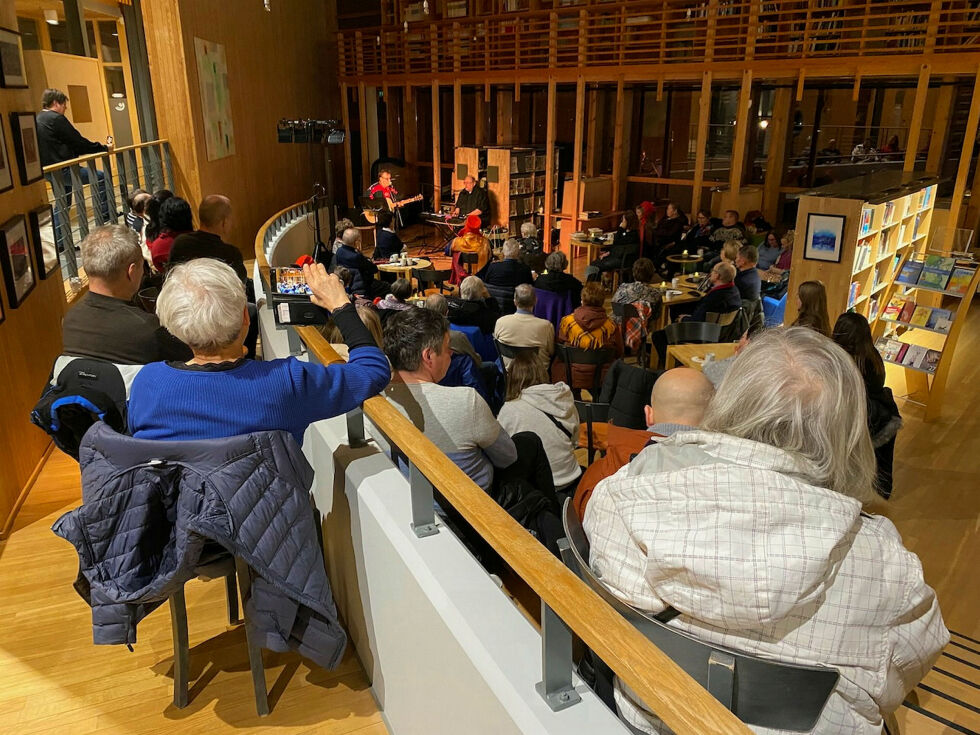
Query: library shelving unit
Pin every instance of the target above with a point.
(923, 311)
(514, 178)
(886, 215)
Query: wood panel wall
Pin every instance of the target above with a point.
(280, 64)
(30, 337)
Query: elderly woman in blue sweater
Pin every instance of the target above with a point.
(219, 392)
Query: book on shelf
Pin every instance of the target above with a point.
(894, 308)
(907, 311)
(873, 310)
(915, 229)
(930, 361)
(865, 221)
(889, 211)
(884, 240)
(853, 293)
(910, 272)
(920, 317)
(889, 348)
(936, 271)
(913, 355)
(940, 320)
(959, 280)
(927, 195)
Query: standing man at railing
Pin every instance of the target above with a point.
(60, 141)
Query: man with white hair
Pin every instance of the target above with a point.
(503, 276)
(218, 392)
(474, 307)
(523, 329)
(473, 199)
(752, 530)
(349, 256)
(105, 324)
(532, 251)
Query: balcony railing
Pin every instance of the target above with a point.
(643, 33)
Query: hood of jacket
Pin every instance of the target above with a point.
(555, 399)
(590, 317)
(734, 532)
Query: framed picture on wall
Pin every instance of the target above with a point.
(6, 172)
(23, 127)
(13, 71)
(15, 260)
(824, 237)
(41, 221)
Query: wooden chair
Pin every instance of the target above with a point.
(578, 356)
(468, 260)
(625, 312)
(428, 278)
(697, 333)
(512, 351)
(732, 323)
(591, 413)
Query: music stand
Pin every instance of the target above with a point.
(370, 205)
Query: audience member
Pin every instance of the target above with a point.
(341, 227)
(532, 250)
(748, 281)
(723, 296)
(401, 289)
(728, 253)
(175, 219)
(219, 392)
(546, 409)
(470, 240)
(769, 251)
(215, 222)
(641, 288)
(523, 329)
(458, 342)
(474, 307)
(677, 403)
(811, 307)
(699, 236)
(646, 215)
(853, 334)
(785, 259)
(555, 279)
(777, 475)
(509, 272)
(864, 152)
(386, 241)
(730, 229)
(716, 370)
(136, 203)
(625, 248)
(105, 323)
(669, 230)
(368, 316)
(363, 270)
(153, 213)
(589, 328)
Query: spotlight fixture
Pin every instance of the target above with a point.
(51, 17)
(763, 123)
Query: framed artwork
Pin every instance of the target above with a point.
(212, 76)
(23, 127)
(13, 71)
(6, 172)
(15, 260)
(41, 221)
(824, 237)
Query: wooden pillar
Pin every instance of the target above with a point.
(505, 116)
(592, 134)
(940, 128)
(619, 162)
(778, 140)
(549, 174)
(362, 123)
(742, 123)
(457, 115)
(480, 116)
(704, 115)
(963, 170)
(410, 119)
(348, 164)
(918, 112)
(436, 153)
(577, 159)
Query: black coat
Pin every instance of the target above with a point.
(717, 301)
(560, 283)
(626, 388)
(387, 243)
(60, 141)
(482, 314)
(506, 274)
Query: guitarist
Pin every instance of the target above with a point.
(383, 191)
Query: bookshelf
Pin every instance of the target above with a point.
(924, 308)
(886, 215)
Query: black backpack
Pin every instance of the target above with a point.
(86, 391)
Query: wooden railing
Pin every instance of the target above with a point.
(627, 34)
(686, 707)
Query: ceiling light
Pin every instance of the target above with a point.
(118, 95)
(51, 17)
(763, 124)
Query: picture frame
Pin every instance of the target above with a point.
(824, 237)
(15, 260)
(13, 70)
(6, 168)
(45, 251)
(23, 128)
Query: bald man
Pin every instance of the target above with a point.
(473, 199)
(677, 403)
(215, 222)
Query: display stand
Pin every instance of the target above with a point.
(931, 319)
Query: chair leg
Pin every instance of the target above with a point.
(231, 595)
(254, 650)
(178, 622)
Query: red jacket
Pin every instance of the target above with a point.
(621, 445)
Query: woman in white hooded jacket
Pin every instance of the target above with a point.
(752, 529)
(546, 409)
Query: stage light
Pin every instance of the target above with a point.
(763, 123)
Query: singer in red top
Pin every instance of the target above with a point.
(382, 188)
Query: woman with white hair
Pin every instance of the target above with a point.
(475, 307)
(532, 250)
(752, 529)
(219, 392)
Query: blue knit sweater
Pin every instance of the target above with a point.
(170, 401)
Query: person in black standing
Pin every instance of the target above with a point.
(473, 199)
(386, 241)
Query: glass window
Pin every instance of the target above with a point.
(115, 82)
(650, 119)
(109, 40)
(59, 38)
(29, 34)
(683, 135)
(90, 31)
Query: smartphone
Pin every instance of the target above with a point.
(290, 281)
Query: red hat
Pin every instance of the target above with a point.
(472, 223)
(304, 260)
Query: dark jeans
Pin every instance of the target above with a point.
(100, 195)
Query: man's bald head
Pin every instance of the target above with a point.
(680, 396)
(214, 214)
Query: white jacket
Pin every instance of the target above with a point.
(527, 413)
(730, 533)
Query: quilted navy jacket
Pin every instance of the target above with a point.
(149, 507)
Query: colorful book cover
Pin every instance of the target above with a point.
(853, 294)
(889, 210)
(894, 308)
(936, 271)
(913, 355)
(910, 272)
(907, 311)
(865, 220)
(921, 316)
(929, 361)
(959, 281)
(889, 348)
(940, 320)
(873, 310)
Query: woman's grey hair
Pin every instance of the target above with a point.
(529, 229)
(108, 251)
(201, 304)
(556, 261)
(511, 248)
(473, 289)
(811, 405)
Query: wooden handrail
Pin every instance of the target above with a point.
(686, 707)
(101, 154)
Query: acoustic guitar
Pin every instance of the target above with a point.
(371, 215)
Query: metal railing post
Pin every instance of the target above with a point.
(93, 186)
(62, 215)
(148, 173)
(168, 166)
(81, 208)
(423, 499)
(123, 182)
(134, 169)
(555, 686)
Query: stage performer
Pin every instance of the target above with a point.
(470, 240)
(382, 190)
(473, 199)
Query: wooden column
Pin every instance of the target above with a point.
(410, 119)
(549, 174)
(778, 135)
(704, 115)
(619, 164)
(457, 115)
(362, 122)
(963, 170)
(436, 153)
(577, 159)
(742, 123)
(940, 128)
(480, 118)
(592, 133)
(505, 116)
(918, 112)
(348, 163)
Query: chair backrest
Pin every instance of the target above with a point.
(687, 332)
(721, 319)
(468, 260)
(760, 692)
(553, 306)
(482, 343)
(626, 388)
(625, 311)
(429, 276)
(590, 413)
(580, 356)
(774, 310)
(504, 296)
(512, 351)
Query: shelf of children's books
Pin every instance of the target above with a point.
(913, 326)
(911, 286)
(909, 367)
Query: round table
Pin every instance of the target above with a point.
(405, 271)
(684, 260)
